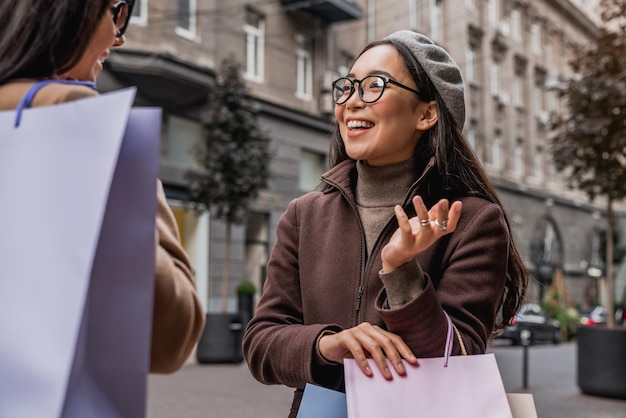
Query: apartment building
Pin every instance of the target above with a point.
(513, 54)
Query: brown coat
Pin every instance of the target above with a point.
(178, 317)
(319, 263)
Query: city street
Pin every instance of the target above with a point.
(227, 391)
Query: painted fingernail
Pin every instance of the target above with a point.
(444, 205)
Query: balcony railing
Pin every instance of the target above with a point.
(330, 11)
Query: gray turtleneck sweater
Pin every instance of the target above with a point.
(378, 190)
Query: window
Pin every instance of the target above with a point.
(516, 25)
(535, 37)
(555, 50)
(537, 99)
(140, 13)
(254, 29)
(181, 136)
(471, 64)
(471, 133)
(413, 14)
(553, 101)
(345, 62)
(312, 166)
(304, 67)
(495, 78)
(516, 91)
(518, 158)
(538, 166)
(436, 20)
(496, 151)
(494, 12)
(186, 18)
(549, 55)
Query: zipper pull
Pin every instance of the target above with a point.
(358, 299)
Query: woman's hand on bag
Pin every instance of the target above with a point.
(420, 232)
(367, 341)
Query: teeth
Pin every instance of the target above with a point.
(352, 124)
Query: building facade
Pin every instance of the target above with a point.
(514, 57)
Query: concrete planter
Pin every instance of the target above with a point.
(602, 361)
(221, 339)
(245, 306)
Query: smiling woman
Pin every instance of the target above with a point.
(53, 51)
(406, 228)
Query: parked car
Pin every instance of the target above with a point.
(620, 313)
(599, 315)
(533, 319)
(596, 316)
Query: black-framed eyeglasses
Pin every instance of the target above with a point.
(371, 88)
(121, 12)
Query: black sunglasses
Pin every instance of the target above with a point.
(121, 12)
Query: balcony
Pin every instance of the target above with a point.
(330, 11)
(159, 77)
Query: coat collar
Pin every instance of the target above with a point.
(342, 177)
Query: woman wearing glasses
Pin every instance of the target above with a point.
(406, 226)
(54, 51)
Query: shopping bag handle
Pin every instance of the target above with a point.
(448, 349)
(27, 100)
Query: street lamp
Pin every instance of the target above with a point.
(546, 251)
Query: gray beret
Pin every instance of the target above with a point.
(440, 68)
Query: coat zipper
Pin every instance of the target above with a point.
(361, 289)
(358, 299)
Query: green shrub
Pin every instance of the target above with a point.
(568, 317)
(246, 287)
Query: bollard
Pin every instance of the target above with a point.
(525, 336)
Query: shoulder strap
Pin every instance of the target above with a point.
(27, 100)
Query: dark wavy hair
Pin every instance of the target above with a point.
(458, 172)
(42, 38)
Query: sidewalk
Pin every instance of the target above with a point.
(229, 391)
(552, 381)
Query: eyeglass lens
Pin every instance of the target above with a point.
(370, 89)
(121, 15)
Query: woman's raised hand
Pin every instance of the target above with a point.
(367, 341)
(418, 233)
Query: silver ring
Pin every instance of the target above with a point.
(425, 222)
(443, 225)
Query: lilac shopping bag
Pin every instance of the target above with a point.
(448, 386)
(77, 258)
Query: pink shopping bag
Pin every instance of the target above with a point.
(448, 386)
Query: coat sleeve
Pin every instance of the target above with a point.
(470, 289)
(279, 348)
(178, 316)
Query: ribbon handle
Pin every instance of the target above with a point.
(27, 100)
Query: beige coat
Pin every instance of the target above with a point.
(178, 317)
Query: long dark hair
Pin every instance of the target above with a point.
(457, 168)
(42, 38)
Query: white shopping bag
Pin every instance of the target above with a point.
(77, 257)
